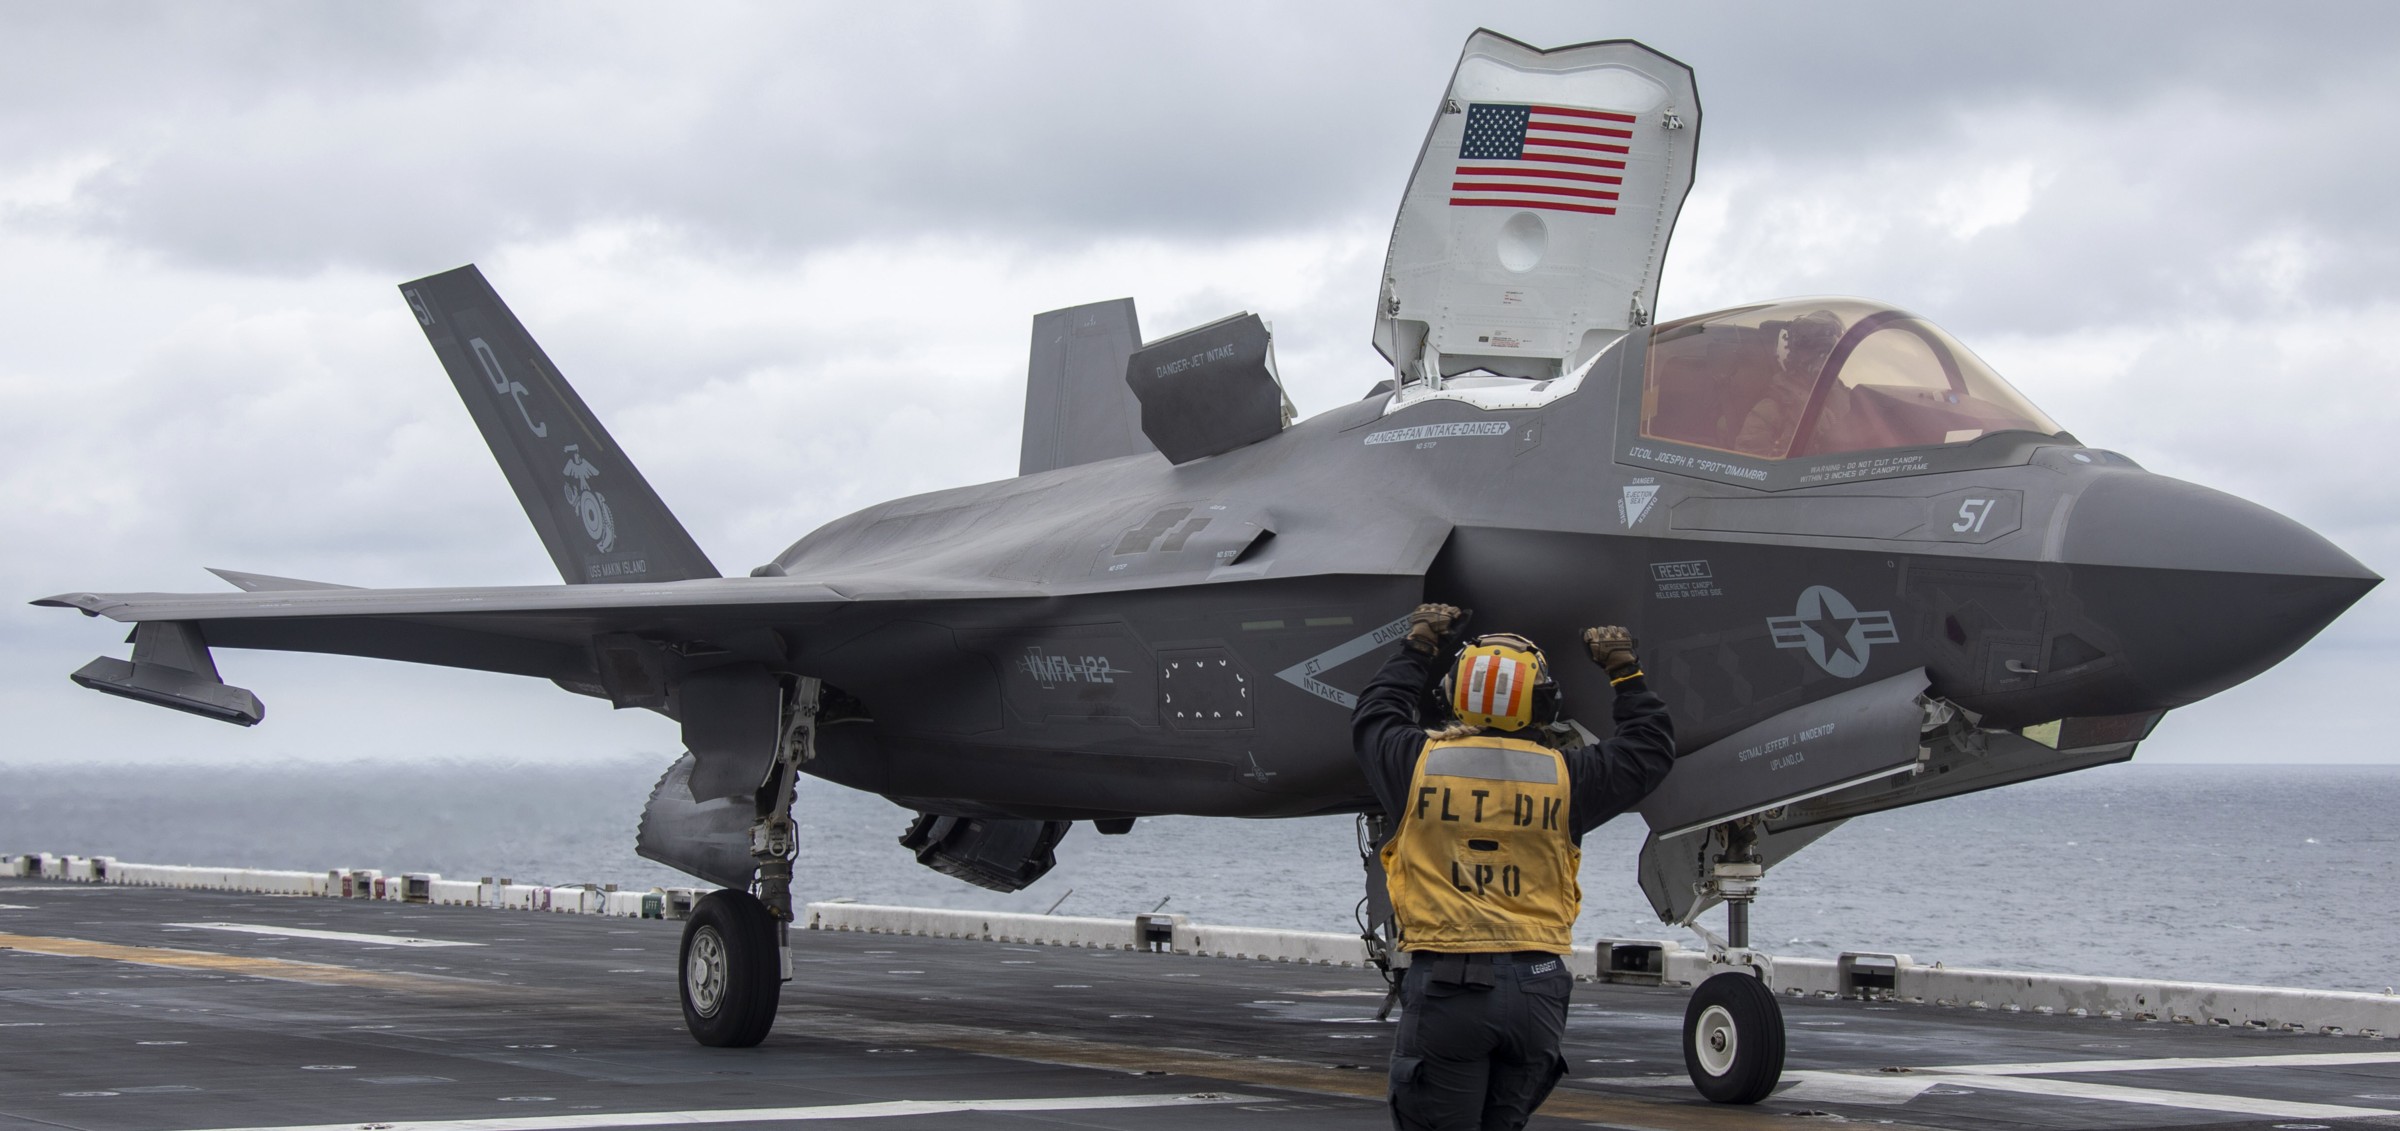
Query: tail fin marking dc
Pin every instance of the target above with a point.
(595, 513)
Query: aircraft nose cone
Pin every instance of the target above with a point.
(2202, 590)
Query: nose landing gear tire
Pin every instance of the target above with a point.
(1733, 1039)
(732, 978)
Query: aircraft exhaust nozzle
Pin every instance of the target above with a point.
(2201, 589)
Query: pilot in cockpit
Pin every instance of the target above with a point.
(1801, 349)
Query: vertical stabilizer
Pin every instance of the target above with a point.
(1077, 406)
(595, 513)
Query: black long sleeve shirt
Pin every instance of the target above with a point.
(1605, 778)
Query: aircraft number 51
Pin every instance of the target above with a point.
(1972, 514)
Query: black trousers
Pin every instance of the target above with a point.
(1478, 1041)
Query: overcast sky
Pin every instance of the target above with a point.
(788, 253)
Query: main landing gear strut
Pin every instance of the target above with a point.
(1733, 1029)
(736, 951)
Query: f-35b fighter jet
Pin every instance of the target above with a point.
(1866, 571)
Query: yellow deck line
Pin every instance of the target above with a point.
(278, 969)
(1567, 1102)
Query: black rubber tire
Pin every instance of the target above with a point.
(1733, 1039)
(729, 1000)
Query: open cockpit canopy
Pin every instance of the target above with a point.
(1820, 376)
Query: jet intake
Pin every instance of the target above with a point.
(1210, 389)
(996, 853)
(171, 668)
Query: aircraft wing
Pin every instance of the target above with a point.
(537, 630)
(563, 633)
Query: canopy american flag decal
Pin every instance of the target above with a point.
(1560, 158)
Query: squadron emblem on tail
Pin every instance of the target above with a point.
(590, 504)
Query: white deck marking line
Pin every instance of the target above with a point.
(880, 1110)
(2064, 1067)
(309, 933)
(1860, 1087)
(1833, 1087)
(2161, 1097)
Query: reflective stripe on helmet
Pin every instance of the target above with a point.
(1495, 682)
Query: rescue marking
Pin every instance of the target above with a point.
(311, 933)
(879, 1110)
(1838, 636)
(1679, 580)
(1303, 675)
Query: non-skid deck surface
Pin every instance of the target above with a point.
(136, 1009)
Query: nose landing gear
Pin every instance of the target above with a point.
(1733, 1028)
(1733, 1038)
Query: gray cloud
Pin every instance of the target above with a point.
(283, 138)
(788, 254)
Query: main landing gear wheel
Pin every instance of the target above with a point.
(1733, 1039)
(732, 977)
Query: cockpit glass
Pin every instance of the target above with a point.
(1815, 377)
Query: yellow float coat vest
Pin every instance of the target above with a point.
(1483, 860)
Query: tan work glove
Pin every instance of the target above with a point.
(1429, 627)
(1612, 648)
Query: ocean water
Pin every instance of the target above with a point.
(2268, 874)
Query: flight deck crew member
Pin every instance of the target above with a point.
(1482, 864)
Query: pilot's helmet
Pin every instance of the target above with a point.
(1808, 340)
(1502, 681)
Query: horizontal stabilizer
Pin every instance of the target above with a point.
(1077, 408)
(269, 583)
(1808, 751)
(595, 513)
(171, 668)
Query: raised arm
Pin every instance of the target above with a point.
(1614, 775)
(1385, 732)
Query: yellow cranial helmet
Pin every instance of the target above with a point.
(1502, 682)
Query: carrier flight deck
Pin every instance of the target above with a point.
(127, 1008)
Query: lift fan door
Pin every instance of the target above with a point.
(1833, 743)
(1532, 230)
(709, 839)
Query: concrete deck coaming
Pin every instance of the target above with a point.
(558, 1018)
